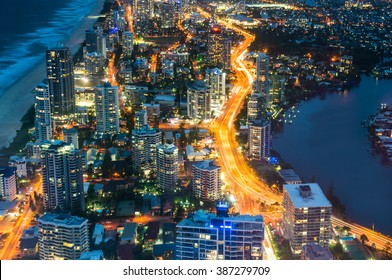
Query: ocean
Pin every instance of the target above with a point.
(28, 28)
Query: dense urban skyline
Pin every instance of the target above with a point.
(161, 128)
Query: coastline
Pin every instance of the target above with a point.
(342, 198)
(17, 99)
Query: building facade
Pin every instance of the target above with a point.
(259, 139)
(60, 76)
(216, 81)
(62, 237)
(107, 110)
(8, 183)
(167, 166)
(262, 82)
(144, 143)
(199, 101)
(206, 181)
(62, 176)
(206, 236)
(43, 118)
(306, 216)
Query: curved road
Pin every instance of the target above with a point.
(250, 189)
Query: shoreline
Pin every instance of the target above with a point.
(337, 202)
(17, 99)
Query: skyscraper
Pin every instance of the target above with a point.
(140, 119)
(62, 176)
(59, 68)
(206, 236)
(144, 143)
(106, 107)
(216, 82)
(167, 166)
(70, 136)
(259, 139)
(206, 181)
(215, 46)
(62, 237)
(262, 82)
(306, 216)
(43, 118)
(96, 41)
(256, 107)
(199, 101)
(227, 54)
(8, 183)
(127, 42)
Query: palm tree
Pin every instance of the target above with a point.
(364, 239)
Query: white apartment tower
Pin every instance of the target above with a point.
(62, 176)
(8, 183)
(167, 166)
(62, 237)
(43, 118)
(215, 80)
(306, 216)
(144, 143)
(206, 236)
(206, 181)
(199, 101)
(259, 139)
(106, 107)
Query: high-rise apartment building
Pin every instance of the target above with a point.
(107, 110)
(8, 183)
(215, 80)
(306, 216)
(96, 41)
(144, 143)
(227, 54)
(70, 136)
(256, 107)
(127, 43)
(206, 236)
(199, 101)
(141, 119)
(167, 166)
(259, 139)
(206, 181)
(62, 237)
(62, 176)
(60, 75)
(218, 48)
(43, 118)
(262, 82)
(215, 46)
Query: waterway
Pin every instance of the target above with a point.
(327, 142)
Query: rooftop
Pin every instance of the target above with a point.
(203, 219)
(312, 195)
(62, 219)
(206, 165)
(92, 255)
(314, 251)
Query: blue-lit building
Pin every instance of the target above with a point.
(208, 236)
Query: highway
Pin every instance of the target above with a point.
(247, 188)
(11, 245)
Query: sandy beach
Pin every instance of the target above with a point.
(16, 100)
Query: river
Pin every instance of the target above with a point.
(326, 141)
